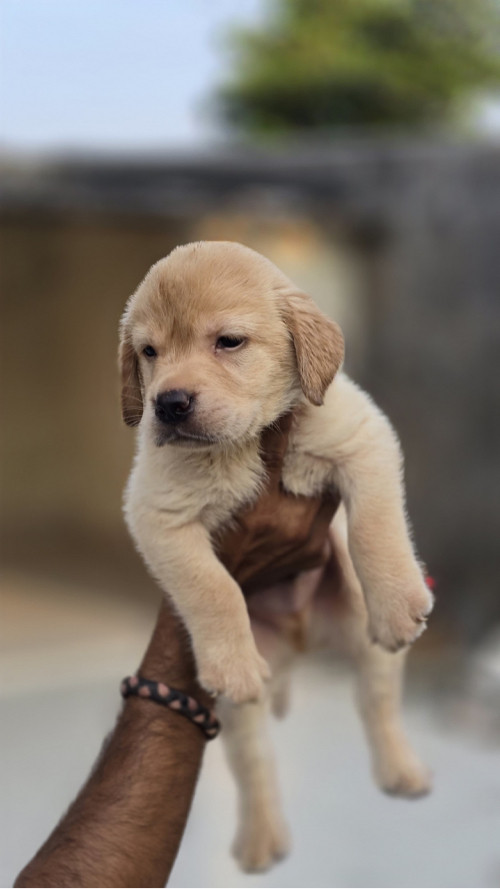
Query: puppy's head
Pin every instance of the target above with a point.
(217, 343)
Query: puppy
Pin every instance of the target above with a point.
(216, 344)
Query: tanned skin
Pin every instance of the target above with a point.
(126, 824)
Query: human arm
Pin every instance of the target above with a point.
(125, 826)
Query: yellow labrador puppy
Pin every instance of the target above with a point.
(216, 344)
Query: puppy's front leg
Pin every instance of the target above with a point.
(209, 601)
(369, 475)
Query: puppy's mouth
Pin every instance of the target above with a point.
(182, 437)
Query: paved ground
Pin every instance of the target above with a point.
(60, 699)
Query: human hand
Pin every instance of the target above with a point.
(280, 535)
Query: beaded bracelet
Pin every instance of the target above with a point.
(174, 699)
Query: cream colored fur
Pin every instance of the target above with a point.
(335, 622)
(189, 481)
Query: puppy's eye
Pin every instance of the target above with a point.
(149, 352)
(229, 342)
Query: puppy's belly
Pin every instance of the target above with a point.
(307, 611)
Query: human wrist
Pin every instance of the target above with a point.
(169, 657)
(178, 701)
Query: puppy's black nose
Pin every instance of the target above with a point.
(174, 406)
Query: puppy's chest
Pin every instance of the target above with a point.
(239, 485)
(232, 485)
(210, 488)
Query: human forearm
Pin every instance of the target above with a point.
(125, 826)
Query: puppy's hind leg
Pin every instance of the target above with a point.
(396, 766)
(262, 835)
(379, 680)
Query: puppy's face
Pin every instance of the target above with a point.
(216, 344)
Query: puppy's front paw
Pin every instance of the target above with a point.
(395, 623)
(261, 841)
(236, 671)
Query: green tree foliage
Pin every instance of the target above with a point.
(329, 64)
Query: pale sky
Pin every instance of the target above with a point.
(121, 75)
(112, 74)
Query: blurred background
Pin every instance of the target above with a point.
(357, 145)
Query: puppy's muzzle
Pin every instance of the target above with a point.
(174, 406)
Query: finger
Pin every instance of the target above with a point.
(273, 445)
(330, 502)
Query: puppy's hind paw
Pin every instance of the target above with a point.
(404, 776)
(261, 842)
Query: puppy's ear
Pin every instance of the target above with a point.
(131, 392)
(318, 343)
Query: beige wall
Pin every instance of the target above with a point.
(65, 452)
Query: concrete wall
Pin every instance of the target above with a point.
(399, 243)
